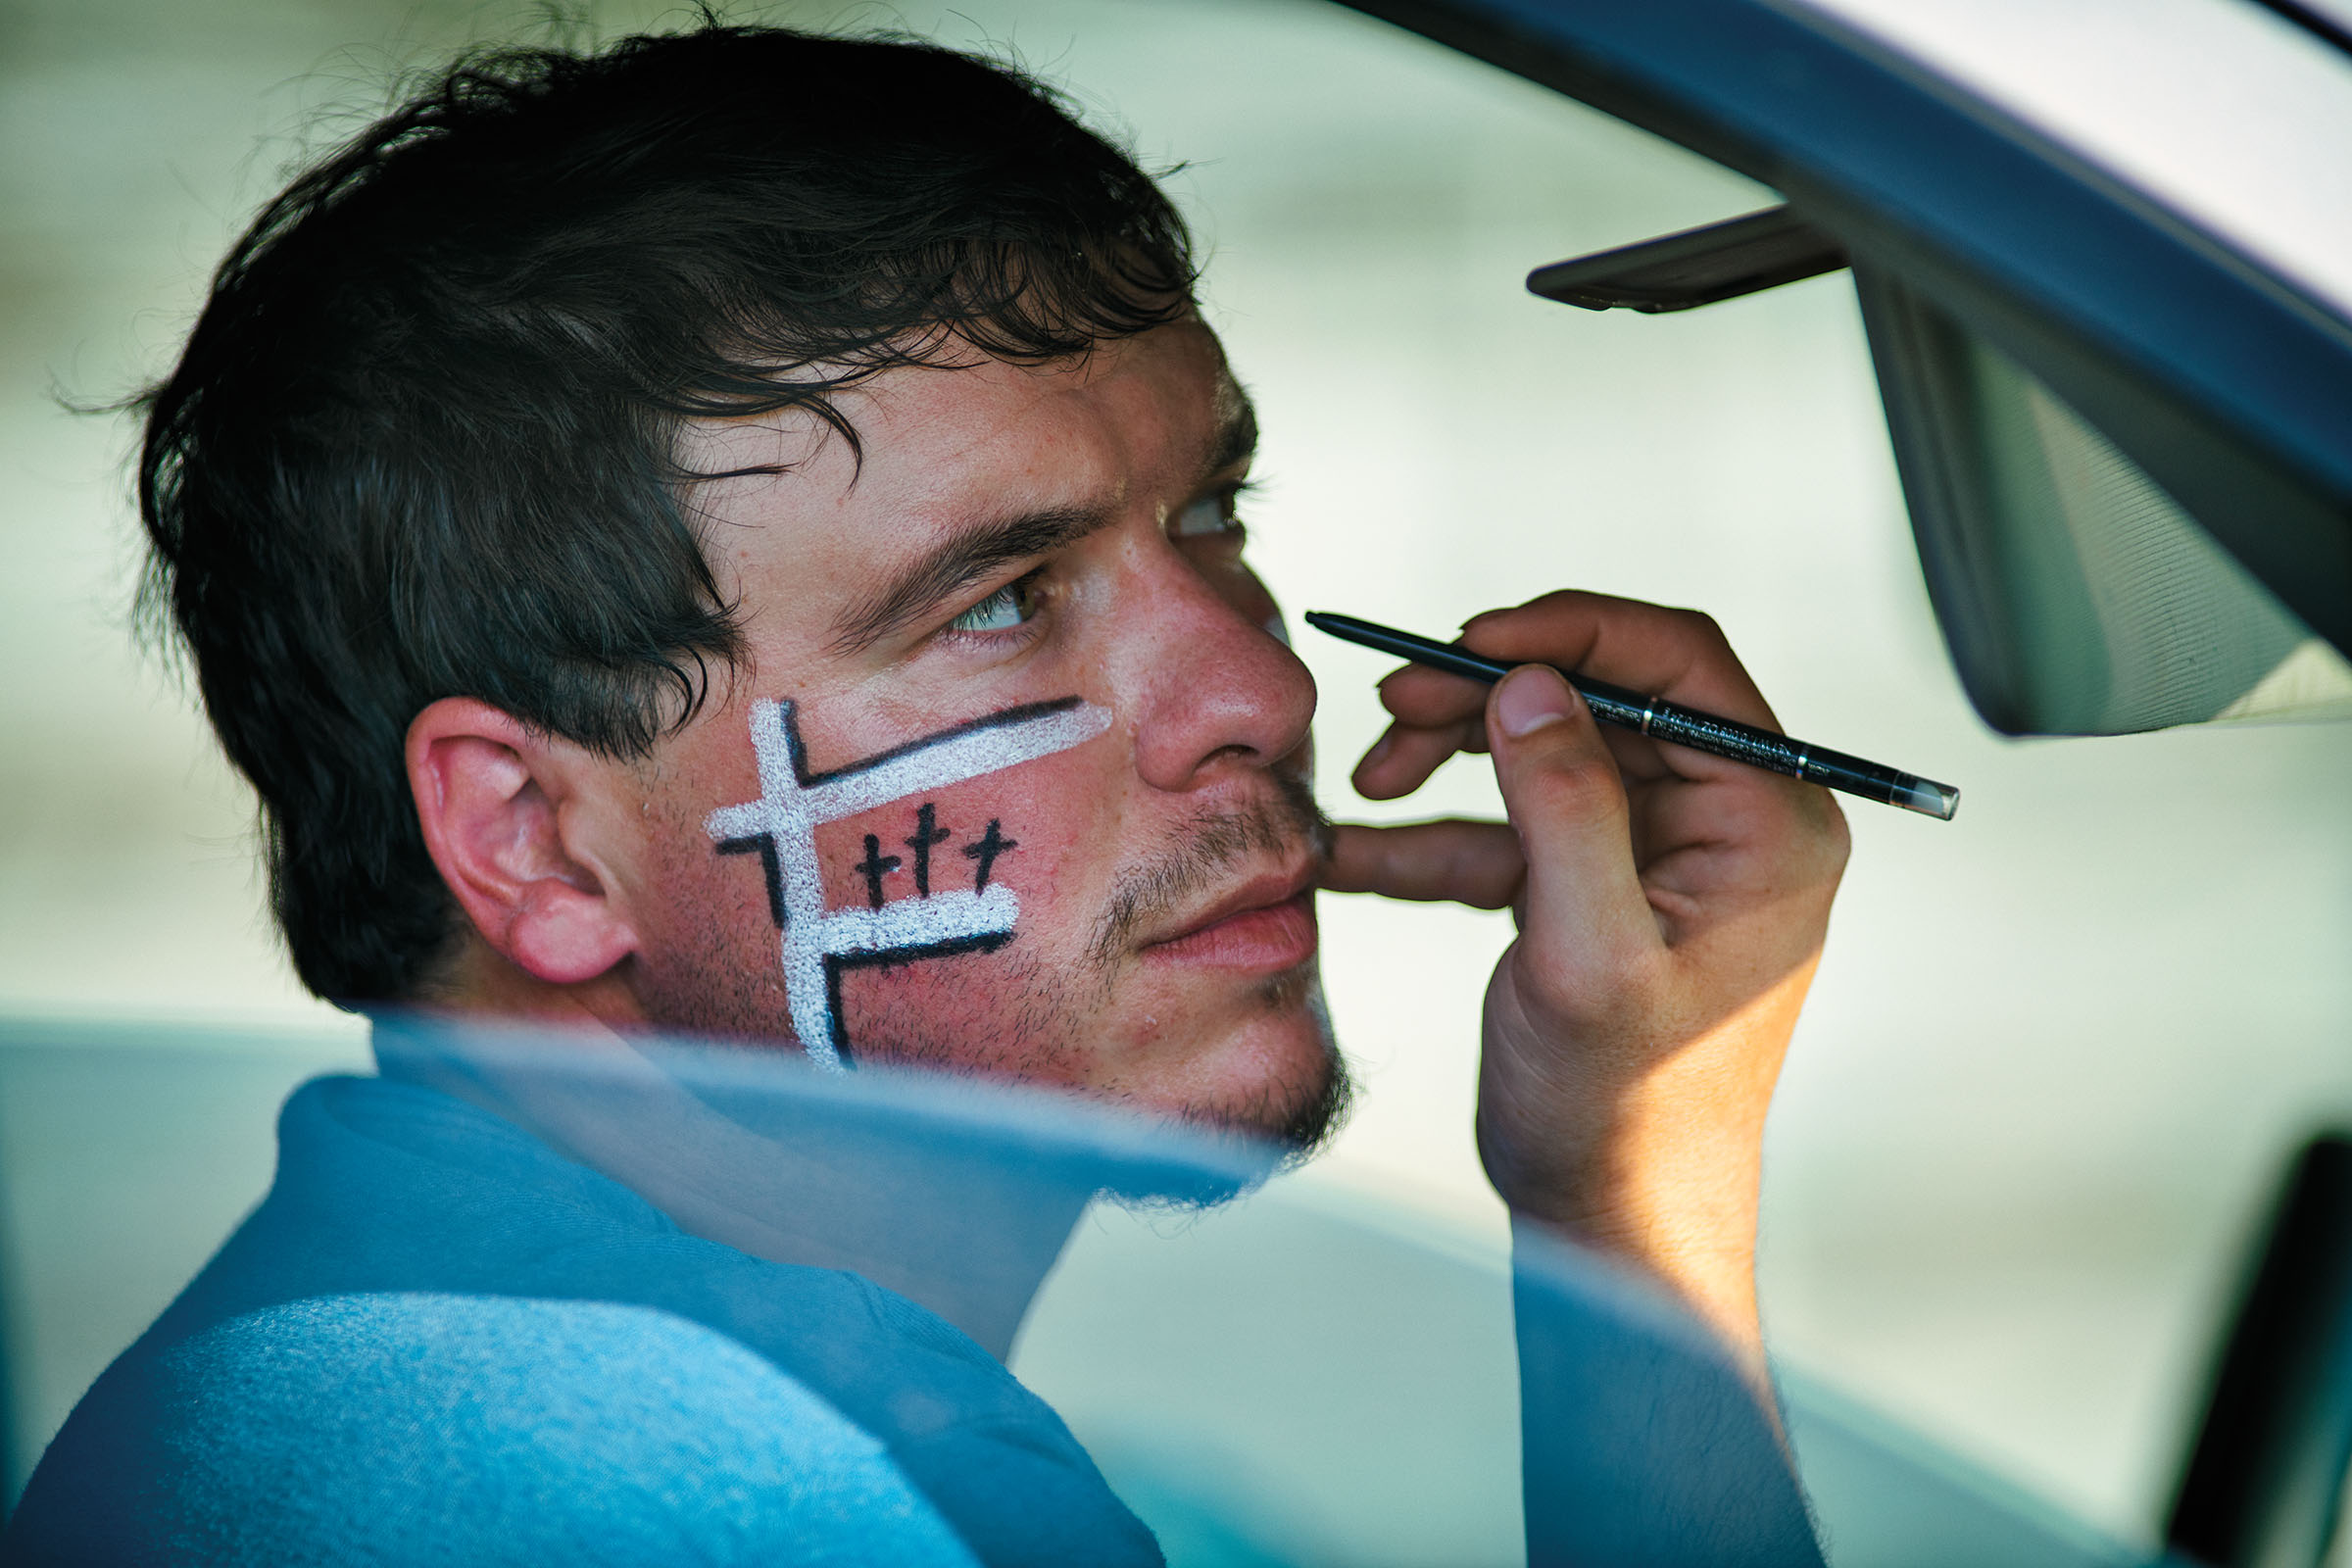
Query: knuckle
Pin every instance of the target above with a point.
(1835, 831)
(1704, 629)
(1644, 977)
(1608, 988)
(1396, 688)
(1543, 606)
(1580, 784)
(1837, 843)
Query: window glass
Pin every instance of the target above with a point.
(1265, 1367)
(2045, 1072)
(2078, 596)
(2223, 110)
(2134, 618)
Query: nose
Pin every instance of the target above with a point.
(1212, 689)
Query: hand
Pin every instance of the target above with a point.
(1671, 908)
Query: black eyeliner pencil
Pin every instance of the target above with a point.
(1663, 720)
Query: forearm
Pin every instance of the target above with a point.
(1665, 1174)
(1642, 1443)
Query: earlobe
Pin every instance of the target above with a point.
(501, 806)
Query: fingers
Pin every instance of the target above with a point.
(1584, 909)
(1401, 760)
(1477, 863)
(1420, 698)
(1676, 654)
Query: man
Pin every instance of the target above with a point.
(736, 536)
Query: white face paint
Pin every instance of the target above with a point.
(793, 803)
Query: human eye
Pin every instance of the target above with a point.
(1215, 515)
(1009, 607)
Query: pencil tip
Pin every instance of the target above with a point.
(1931, 798)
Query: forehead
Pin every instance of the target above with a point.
(935, 444)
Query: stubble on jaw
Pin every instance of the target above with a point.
(1299, 1116)
(1043, 1044)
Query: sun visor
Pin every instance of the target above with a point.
(1696, 267)
(2077, 594)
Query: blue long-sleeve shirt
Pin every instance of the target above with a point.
(439, 1340)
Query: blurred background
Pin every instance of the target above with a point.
(2059, 1048)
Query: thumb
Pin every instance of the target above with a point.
(1586, 909)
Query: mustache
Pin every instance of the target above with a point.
(1213, 843)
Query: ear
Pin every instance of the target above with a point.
(510, 818)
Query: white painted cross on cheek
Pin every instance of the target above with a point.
(781, 825)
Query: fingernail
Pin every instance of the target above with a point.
(1530, 699)
(1380, 750)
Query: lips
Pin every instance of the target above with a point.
(1266, 924)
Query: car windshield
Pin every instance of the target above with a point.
(1266, 1366)
(2055, 1053)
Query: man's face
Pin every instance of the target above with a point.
(1013, 778)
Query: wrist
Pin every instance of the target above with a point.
(1674, 1196)
(1663, 1171)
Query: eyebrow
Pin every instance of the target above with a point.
(972, 551)
(961, 558)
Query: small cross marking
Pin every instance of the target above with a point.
(874, 867)
(992, 844)
(927, 832)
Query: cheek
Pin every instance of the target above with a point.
(1011, 1013)
(1045, 835)
(685, 892)
(707, 937)
(1001, 861)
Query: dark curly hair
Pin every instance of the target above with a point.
(420, 442)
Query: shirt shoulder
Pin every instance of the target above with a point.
(409, 1427)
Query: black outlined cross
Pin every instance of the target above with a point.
(927, 832)
(874, 867)
(986, 848)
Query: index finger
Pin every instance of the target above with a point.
(1679, 655)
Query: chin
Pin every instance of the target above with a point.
(1276, 1074)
